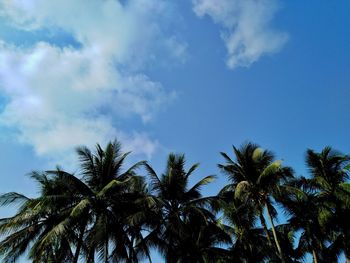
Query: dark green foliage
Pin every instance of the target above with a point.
(107, 213)
(188, 231)
(255, 178)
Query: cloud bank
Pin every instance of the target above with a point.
(80, 85)
(59, 97)
(247, 32)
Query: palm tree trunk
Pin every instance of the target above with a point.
(91, 257)
(149, 257)
(263, 223)
(314, 255)
(131, 252)
(80, 243)
(275, 234)
(106, 251)
(106, 247)
(77, 251)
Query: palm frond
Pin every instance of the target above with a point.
(11, 198)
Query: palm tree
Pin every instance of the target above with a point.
(329, 174)
(255, 178)
(187, 230)
(306, 215)
(35, 219)
(113, 197)
(93, 214)
(249, 242)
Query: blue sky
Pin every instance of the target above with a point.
(187, 76)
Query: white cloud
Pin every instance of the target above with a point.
(62, 97)
(178, 49)
(247, 32)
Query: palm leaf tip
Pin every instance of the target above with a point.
(11, 198)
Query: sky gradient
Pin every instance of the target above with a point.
(192, 77)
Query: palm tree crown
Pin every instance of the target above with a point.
(184, 215)
(255, 177)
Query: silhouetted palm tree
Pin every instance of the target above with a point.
(187, 229)
(110, 203)
(249, 241)
(329, 172)
(112, 214)
(36, 218)
(255, 177)
(93, 214)
(306, 214)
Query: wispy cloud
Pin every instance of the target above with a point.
(246, 28)
(59, 97)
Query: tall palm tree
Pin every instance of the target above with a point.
(35, 219)
(187, 230)
(249, 242)
(113, 197)
(92, 214)
(306, 215)
(329, 173)
(256, 177)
